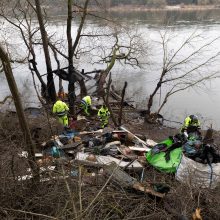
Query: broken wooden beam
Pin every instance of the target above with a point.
(101, 161)
(125, 180)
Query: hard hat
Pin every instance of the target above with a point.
(194, 118)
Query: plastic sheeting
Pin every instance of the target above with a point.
(198, 174)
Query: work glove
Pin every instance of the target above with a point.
(185, 134)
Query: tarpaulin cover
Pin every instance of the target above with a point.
(158, 160)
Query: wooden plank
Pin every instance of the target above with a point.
(101, 161)
(125, 180)
(140, 149)
(141, 141)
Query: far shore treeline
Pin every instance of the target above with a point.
(113, 3)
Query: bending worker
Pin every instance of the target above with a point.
(86, 103)
(60, 108)
(104, 115)
(191, 124)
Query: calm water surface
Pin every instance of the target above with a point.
(203, 101)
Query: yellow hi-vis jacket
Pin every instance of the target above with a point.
(86, 100)
(60, 108)
(104, 115)
(189, 123)
(103, 112)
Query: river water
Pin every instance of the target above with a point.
(203, 101)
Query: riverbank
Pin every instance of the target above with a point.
(180, 7)
(83, 186)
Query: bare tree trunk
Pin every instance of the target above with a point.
(101, 81)
(22, 120)
(50, 81)
(150, 101)
(106, 101)
(107, 4)
(72, 80)
(104, 74)
(122, 102)
(76, 42)
(44, 93)
(83, 89)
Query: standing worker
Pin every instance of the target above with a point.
(61, 109)
(104, 115)
(86, 103)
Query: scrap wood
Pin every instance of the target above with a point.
(141, 141)
(101, 131)
(111, 144)
(129, 164)
(127, 152)
(91, 132)
(100, 161)
(141, 187)
(125, 180)
(69, 146)
(141, 149)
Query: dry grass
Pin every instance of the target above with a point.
(72, 197)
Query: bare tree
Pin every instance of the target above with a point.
(22, 120)
(44, 36)
(20, 16)
(71, 50)
(126, 48)
(182, 71)
(122, 51)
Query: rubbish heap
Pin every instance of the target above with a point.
(115, 153)
(121, 156)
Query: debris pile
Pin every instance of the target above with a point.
(114, 153)
(86, 156)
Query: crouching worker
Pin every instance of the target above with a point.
(191, 124)
(103, 115)
(85, 104)
(61, 109)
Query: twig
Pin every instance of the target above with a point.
(31, 213)
(98, 194)
(80, 189)
(70, 194)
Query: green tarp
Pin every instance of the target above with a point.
(159, 162)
